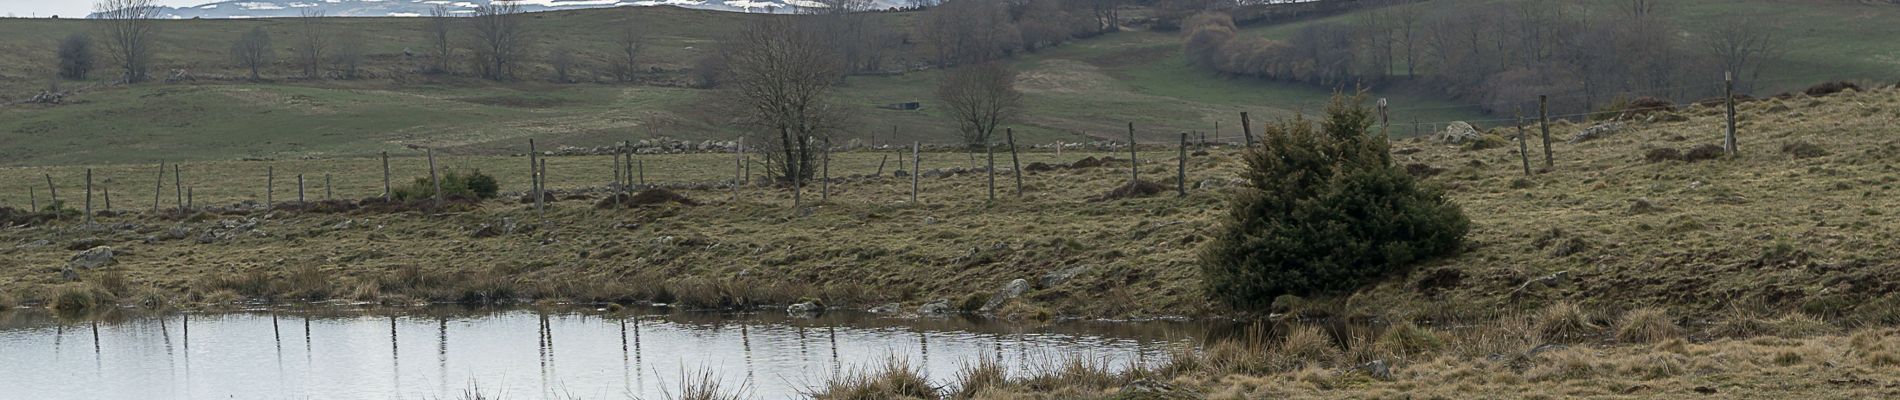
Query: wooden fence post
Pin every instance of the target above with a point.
(33, 198)
(1246, 128)
(989, 151)
(880, 165)
(915, 171)
(434, 179)
(1015, 163)
(1523, 144)
(541, 189)
(795, 170)
(326, 187)
(1543, 116)
(738, 168)
(534, 175)
(824, 190)
(300, 198)
(387, 190)
(189, 204)
(51, 191)
(617, 184)
(270, 187)
(159, 187)
(178, 185)
(1134, 165)
(1180, 175)
(107, 188)
(1728, 97)
(641, 163)
(88, 196)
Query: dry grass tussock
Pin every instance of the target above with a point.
(1646, 325)
(1563, 322)
(896, 380)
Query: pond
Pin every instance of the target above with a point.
(432, 353)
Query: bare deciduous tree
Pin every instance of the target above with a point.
(441, 49)
(253, 51)
(350, 50)
(500, 39)
(628, 46)
(980, 98)
(313, 41)
(75, 56)
(710, 71)
(782, 74)
(131, 35)
(1745, 47)
(562, 60)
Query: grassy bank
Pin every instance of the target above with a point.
(1794, 224)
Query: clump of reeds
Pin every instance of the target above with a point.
(1646, 325)
(704, 386)
(985, 374)
(80, 298)
(896, 380)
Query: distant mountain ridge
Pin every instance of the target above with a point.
(418, 8)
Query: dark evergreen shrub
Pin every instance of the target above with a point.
(1327, 211)
(472, 186)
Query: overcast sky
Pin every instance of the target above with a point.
(68, 8)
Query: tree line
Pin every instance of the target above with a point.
(493, 38)
(1501, 55)
(494, 41)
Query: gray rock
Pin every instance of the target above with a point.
(1378, 370)
(1458, 132)
(1052, 279)
(34, 244)
(805, 308)
(68, 274)
(92, 258)
(87, 243)
(1546, 281)
(888, 309)
(1011, 291)
(935, 308)
(1597, 131)
(485, 231)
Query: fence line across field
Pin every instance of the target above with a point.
(629, 172)
(181, 196)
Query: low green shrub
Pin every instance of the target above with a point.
(474, 185)
(1327, 211)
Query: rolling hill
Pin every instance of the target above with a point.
(1085, 90)
(417, 8)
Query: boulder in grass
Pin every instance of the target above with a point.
(93, 258)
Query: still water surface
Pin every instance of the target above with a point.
(520, 353)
